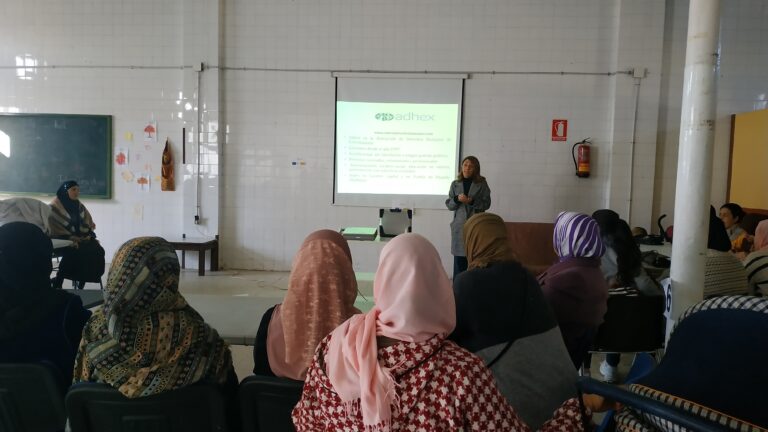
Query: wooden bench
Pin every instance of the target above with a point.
(200, 245)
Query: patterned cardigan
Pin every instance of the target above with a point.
(61, 222)
(440, 387)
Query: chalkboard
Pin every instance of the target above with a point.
(38, 152)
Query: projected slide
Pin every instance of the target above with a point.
(395, 148)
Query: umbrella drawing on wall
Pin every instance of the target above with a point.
(150, 132)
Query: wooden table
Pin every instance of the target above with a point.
(200, 245)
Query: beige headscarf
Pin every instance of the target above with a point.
(321, 294)
(485, 240)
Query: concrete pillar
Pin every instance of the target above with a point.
(694, 167)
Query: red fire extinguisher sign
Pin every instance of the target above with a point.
(559, 130)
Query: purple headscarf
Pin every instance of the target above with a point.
(577, 236)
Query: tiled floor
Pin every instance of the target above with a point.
(270, 288)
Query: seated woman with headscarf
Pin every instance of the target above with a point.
(70, 220)
(756, 263)
(37, 323)
(622, 264)
(321, 295)
(502, 317)
(393, 369)
(724, 273)
(622, 267)
(575, 286)
(146, 339)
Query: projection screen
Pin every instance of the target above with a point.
(398, 139)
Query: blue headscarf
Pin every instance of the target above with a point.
(577, 235)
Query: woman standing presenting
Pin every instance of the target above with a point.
(469, 194)
(70, 220)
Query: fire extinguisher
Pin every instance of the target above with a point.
(582, 165)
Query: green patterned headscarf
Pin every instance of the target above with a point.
(146, 339)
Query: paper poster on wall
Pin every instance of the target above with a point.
(128, 136)
(127, 176)
(150, 131)
(143, 180)
(121, 156)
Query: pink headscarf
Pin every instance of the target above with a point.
(414, 302)
(761, 235)
(321, 294)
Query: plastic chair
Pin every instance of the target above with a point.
(30, 399)
(712, 376)
(671, 413)
(94, 407)
(633, 323)
(266, 403)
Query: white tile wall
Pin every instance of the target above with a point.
(742, 87)
(275, 116)
(107, 34)
(256, 122)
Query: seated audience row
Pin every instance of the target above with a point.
(147, 340)
(392, 368)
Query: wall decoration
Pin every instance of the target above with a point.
(167, 183)
(121, 156)
(127, 176)
(143, 180)
(150, 131)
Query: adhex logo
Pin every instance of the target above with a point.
(410, 116)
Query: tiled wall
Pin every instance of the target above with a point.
(276, 116)
(86, 49)
(268, 99)
(742, 87)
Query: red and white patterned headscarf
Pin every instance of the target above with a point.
(414, 302)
